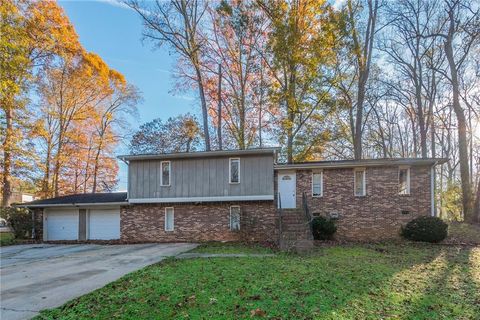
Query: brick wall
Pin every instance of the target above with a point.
(375, 216)
(202, 222)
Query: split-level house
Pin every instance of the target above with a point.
(244, 195)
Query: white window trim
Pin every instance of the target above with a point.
(364, 182)
(169, 174)
(321, 184)
(230, 219)
(173, 218)
(408, 180)
(230, 170)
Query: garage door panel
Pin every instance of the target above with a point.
(62, 225)
(104, 224)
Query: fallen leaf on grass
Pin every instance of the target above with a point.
(258, 313)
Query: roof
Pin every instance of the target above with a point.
(362, 163)
(199, 154)
(80, 199)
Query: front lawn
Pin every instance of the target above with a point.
(232, 248)
(409, 281)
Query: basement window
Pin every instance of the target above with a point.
(234, 170)
(169, 219)
(359, 182)
(165, 177)
(404, 181)
(235, 218)
(317, 184)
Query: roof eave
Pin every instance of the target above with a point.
(201, 154)
(73, 204)
(353, 164)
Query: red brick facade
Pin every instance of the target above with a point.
(376, 216)
(202, 222)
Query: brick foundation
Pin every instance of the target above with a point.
(376, 216)
(199, 222)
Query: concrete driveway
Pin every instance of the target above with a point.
(43, 276)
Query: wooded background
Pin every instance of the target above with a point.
(350, 79)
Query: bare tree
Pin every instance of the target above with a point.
(362, 49)
(459, 30)
(177, 23)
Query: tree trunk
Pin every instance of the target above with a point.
(219, 117)
(461, 130)
(95, 167)
(477, 204)
(201, 92)
(7, 157)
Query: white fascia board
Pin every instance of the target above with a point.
(71, 205)
(202, 199)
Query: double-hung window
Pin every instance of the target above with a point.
(235, 218)
(404, 180)
(317, 184)
(169, 219)
(359, 182)
(165, 176)
(234, 168)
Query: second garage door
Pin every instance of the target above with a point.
(104, 224)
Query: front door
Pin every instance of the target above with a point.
(287, 189)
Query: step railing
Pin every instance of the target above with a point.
(280, 219)
(308, 215)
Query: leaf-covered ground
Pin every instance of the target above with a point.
(408, 281)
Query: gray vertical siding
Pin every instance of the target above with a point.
(201, 177)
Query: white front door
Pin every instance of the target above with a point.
(287, 189)
(104, 224)
(62, 224)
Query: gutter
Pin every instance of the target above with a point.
(200, 154)
(354, 164)
(46, 205)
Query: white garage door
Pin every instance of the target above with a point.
(62, 224)
(104, 224)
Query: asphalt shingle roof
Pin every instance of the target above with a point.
(82, 198)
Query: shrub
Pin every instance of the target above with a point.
(20, 220)
(428, 229)
(323, 228)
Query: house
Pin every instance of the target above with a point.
(240, 195)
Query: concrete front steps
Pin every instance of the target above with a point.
(296, 235)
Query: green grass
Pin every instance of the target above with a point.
(232, 247)
(6, 239)
(352, 282)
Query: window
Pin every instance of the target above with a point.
(317, 184)
(235, 218)
(404, 180)
(234, 170)
(359, 183)
(165, 177)
(169, 219)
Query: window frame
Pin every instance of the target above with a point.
(173, 219)
(321, 184)
(230, 170)
(230, 218)
(407, 193)
(169, 173)
(364, 184)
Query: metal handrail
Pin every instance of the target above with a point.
(307, 213)
(280, 222)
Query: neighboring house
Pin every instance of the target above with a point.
(236, 195)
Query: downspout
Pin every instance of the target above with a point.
(432, 190)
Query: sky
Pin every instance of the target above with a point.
(115, 33)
